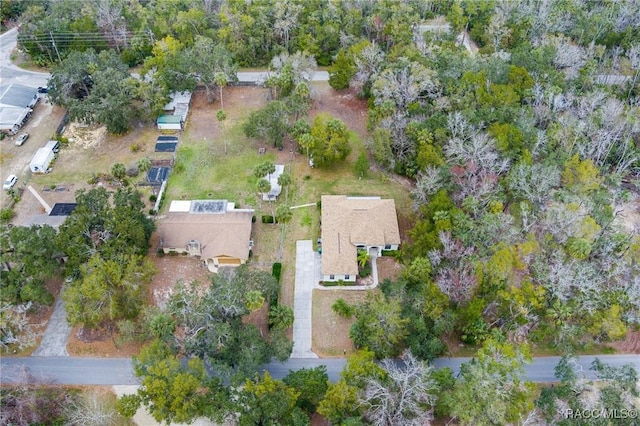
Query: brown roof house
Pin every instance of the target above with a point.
(352, 223)
(212, 229)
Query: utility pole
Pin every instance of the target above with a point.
(53, 43)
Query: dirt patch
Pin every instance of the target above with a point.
(99, 342)
(388, 268)
(330, 332)
(342, 104)
(629, 216)
(84, 136)
(202, 122)
(171, 269)
(630, 344)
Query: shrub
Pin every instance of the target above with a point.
(267, 219)
(153, 198)
(160, 252)
(276, 269)
(93, 179)
(152, 212)
(253, 219)
(61, 139)
(306, 177)
(342, 308)
(6, 215)
(365, 271)
(134, 147)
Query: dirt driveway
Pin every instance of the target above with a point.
(15, 159)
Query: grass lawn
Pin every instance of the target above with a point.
(330, 332)
(204, 171)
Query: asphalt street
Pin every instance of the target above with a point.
(10, 73)
(13, 74)
(119, 371)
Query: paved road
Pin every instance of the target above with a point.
(11, 73)
(118, 371)
(260, 77)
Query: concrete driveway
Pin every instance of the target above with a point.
(308, 267)
(54, 341)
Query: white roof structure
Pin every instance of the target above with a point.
(16, 103)
(276, 189)
(179, 104)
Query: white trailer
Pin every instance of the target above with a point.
(42, 160)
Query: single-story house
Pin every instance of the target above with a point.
(16, 105)
(353, 223)
(214, 230)
(276, 189)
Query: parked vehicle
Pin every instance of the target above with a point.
(43, 89)
(9, 182)
(22, 138)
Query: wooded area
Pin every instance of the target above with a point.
(523, 148)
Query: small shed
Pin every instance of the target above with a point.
(42, 160)
(170, 122)
(276, 189)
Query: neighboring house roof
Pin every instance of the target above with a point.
(10, 117)
(16, 95)
(351, 221)
(55, 218)
(44, 219)
(221, 229)
(276, 189)
(16, 102)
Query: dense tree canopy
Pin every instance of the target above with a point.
(111, 225)
(96, 88)
(29, 257)
(210, 325)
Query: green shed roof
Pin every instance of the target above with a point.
(169, 119)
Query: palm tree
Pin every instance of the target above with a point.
(222, 116)
(363, 257)
(280, 317)
(221, 80)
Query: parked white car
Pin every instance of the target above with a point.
(22, 138)
(9, 182)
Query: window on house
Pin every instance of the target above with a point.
(387, 247)
(346, 277)
(332, 277)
